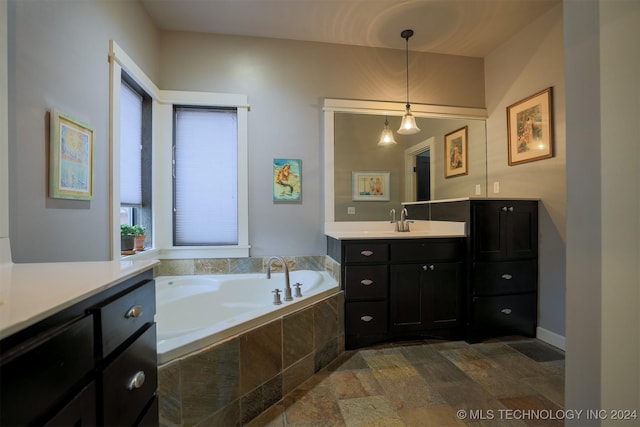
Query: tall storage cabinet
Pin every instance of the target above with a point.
(502, 263)
(503, 285)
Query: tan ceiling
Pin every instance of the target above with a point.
(456, 27)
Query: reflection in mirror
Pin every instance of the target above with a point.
(416, 164)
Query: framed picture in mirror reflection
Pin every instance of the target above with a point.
(370, 186)
(456, 153)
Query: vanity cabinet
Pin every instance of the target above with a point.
(400, 288)
(93, 363)
(502, 267)
(504, 272)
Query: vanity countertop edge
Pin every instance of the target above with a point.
(31, 292)
(364, 230)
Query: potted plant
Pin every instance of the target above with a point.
(139, 237)
(127, 235)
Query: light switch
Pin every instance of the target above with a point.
(477, 189)
(351, 210)
(496, 187)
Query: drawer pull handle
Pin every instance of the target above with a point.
(366, 282)
(135, 311)
(428, 267)
(506, 311)
(136, 381)
(366, 318)
(507, 276)
(366, 253)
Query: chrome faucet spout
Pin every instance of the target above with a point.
(287, 289)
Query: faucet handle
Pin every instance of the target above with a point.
(298, 292)
(276, 297)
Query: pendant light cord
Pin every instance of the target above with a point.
(405, 35)
(407, 59)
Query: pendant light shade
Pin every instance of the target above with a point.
(386, 137)
(408, 125)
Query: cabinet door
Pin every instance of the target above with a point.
(444, 287)
(505, 229)
(406, 295)
(425, 296)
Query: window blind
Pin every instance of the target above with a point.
(130, 146)
(205, 177)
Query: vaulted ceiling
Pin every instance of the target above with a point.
(457, 27)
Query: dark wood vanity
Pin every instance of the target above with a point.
(482, 285)
(91, 363)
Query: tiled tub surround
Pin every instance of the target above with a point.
(231, 382)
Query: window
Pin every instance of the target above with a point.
(135, 156)
(222, 193)
(205, 182)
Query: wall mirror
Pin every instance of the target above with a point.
(411, 170)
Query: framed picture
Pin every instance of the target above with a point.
(456, 160)
(287, 180)
(71, 158)
(530, 128)
(370, 186)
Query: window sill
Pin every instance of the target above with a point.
(187, 252)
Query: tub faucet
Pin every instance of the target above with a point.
(287, 289)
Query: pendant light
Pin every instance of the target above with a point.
(408, 125)
(386, 137)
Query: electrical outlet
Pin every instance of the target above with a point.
(496, 187)
(477, 189)
(351, 210)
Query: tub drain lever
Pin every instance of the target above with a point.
(276, 297)
(298, 293)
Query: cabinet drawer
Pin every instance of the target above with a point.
(366, 282)
(33, 380)
(427, 250)
(511, 313)
(493, 278)
(122, 317)
(122, 400)
(366, 252)
(365, 317)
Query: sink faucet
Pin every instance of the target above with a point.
(403, 226)
(287, 289)
(392, 214)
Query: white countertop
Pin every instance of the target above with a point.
(32, 292)
(356, 230)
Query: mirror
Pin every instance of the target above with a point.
(352, 131)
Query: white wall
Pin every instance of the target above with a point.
(603, 206)
(524, 65)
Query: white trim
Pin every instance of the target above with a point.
(162, 110)
(398, 109)
(117, 55)
(330, 106)
(552, 338)
(410, 154)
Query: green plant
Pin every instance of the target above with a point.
(138, 230)
(127, 230)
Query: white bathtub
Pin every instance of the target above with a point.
(194, 312)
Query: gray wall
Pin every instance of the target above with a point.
(58, 59)
(526, 64)
(285, 82)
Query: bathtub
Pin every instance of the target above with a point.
(193, 312)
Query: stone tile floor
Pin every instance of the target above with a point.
(506, 382)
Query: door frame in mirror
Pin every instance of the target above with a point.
(331, 106)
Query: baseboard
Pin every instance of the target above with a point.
(551, 338)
